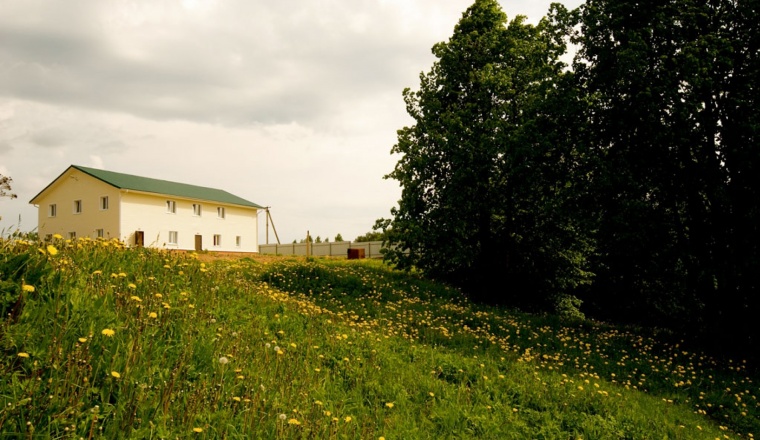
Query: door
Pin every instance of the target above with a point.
(198, 243)
(139, 238)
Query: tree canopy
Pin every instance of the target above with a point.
(627, 179)
(477, 186)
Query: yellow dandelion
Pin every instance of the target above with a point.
(132, 286)
(115, 374)
(293, 422)
(82, 340)
(158, 295)
(57, 236)
(152, 315)
(51, 249)
(389, 404)
(27, 288)
(108, 332)
(240, 376)
(135, 298)
(23, 355)
(122, 274)
(348, 419)
(431, 394)
(197, 429)
(97, 272)
(293, 344)
(236, 399)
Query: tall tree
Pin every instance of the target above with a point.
(5, 187)
(477, 206)
(674, 126)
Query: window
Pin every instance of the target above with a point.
(72, 235)
(237, 241)
(217, 240)
(77, 206)
(52, 210)
(196, 209)
(171, 206)
(104, 203)
(99, 233)
(220, 211)
(172, 237)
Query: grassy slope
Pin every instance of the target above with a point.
(324, 350)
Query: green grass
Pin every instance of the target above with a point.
(326, 349)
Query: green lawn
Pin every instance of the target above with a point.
(101, 341)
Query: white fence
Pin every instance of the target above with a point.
(337, 249)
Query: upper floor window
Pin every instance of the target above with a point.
(196, 209)
(171, 206)
(77, 206)
(104, 203)
(220, 211)
(52, 210)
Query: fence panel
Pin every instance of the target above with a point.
(336, 249)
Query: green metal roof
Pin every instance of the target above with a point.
(157, 186)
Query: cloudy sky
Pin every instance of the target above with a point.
(292, 104)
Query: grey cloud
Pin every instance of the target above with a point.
(279, 62)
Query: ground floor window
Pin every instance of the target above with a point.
(72, 235)
(217, 240)
(172, 237)
(100, 233)
(237, 241)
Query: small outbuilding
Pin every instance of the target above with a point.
(141, 211)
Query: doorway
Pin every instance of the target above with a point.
(198, 243)
(139, 238)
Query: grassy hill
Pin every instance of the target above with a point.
(100, 341)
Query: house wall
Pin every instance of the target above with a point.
(148, 213)
(71, 186)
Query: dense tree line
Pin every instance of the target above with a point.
(627, 180)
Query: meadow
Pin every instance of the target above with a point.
(102, 341)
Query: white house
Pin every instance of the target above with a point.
(142, 211)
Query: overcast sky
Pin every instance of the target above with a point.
(292, 104)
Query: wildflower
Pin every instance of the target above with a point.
(27, 288)
(132, 286)
(135, 298)
(152, 315)
(23, 355)
(115, 374)
(108, 332)
(431, 394)
(122, 275)
(293, 344)
(389, 404)
(158, 295)
(52, 250)
(240, 376)
(82, 340)
(282, 417)
(348, 419)
(236, 399)
(293, 422)
(223, 360)
(97, 272)
(197, 429)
